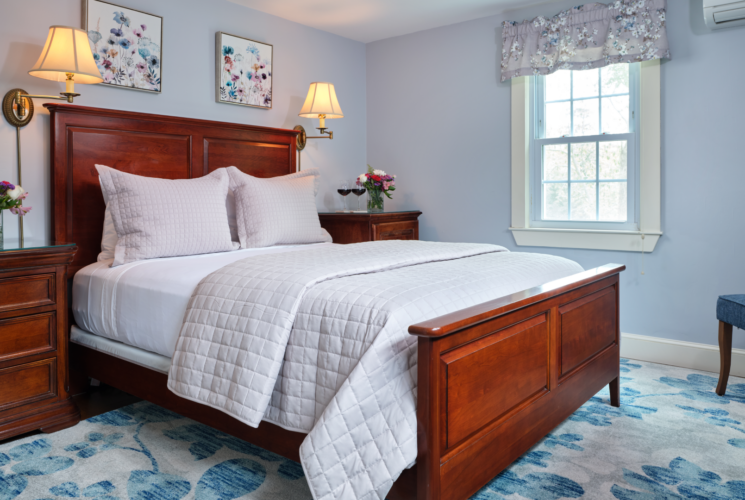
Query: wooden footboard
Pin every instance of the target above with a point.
(494, 379)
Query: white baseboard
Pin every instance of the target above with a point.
(678, 353)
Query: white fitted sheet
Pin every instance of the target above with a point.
(142, 304)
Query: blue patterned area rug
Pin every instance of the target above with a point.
(673, 438)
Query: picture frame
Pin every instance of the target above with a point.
(127, 45)
(243, 71)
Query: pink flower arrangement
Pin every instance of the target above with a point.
(377, 183)
(11, 198)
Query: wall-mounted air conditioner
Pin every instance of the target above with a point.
(720, 14)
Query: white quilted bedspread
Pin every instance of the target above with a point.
(316, 341)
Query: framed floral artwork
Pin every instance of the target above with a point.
(126, 45)
(244, 71)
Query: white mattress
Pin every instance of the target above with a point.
(142, 304)
(122, 351)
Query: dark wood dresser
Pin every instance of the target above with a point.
(33, 339)
(359, 227)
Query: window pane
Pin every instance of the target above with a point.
(555, 201)
(584, 201)
(558, 86)
(587, 181)
(555, 160)
(558, 119)
(613, 160)
(616, 115)
(586, 119)
(612, 201)
(583, 162)
(615, 79)
(585, 83)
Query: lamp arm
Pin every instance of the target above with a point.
(64, 96)
(323, 131)
(302, 138)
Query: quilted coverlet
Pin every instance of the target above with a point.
(316, 341)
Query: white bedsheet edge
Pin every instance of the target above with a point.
(120, 350)
(140, 357)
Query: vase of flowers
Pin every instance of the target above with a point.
(11, 198)
(378, 184)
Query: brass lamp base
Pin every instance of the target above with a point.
(302, 138)
(18, 105)
(11, 109)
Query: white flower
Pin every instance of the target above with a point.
(362, 178)
(378, 172)
(16, 193)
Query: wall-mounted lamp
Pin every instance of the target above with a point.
(321, 103)
(66, 57)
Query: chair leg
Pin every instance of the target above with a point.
(615, 392)
(725, 355)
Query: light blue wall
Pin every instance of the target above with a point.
(429, 107)
(301, 55)
(439, 118)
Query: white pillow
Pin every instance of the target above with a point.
(109, 238)
(277, 211)
(166, 218)
(236, 178)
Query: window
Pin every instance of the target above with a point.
(584, 149)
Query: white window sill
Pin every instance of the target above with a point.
(627, 241)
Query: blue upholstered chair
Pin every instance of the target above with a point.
(730, 312)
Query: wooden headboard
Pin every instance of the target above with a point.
(152, 145)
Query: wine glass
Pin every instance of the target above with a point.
(358, 189)
(345, 187)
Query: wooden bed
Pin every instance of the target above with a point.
(494, 379)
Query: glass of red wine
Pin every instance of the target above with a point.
(358, 189)
(345, 187)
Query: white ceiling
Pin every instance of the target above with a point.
(370, 20)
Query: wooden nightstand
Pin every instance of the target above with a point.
(359, 227)
(33, 340)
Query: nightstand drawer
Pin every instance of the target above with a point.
(27, 383)
(22, 292)
(407, 230)
(27, 335)
(362, 227)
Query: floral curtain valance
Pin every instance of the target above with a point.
(584, 37)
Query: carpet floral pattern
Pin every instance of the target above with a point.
(672, 438)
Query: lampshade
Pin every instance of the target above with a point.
(67, 51)
(321, 100)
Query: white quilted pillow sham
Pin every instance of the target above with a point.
(277, 211)
(237, 177)
(166, 218)
(109, 238)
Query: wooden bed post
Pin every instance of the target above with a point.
(494, 379)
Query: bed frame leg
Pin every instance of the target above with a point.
(615, 392)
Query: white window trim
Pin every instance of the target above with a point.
(649, 177)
